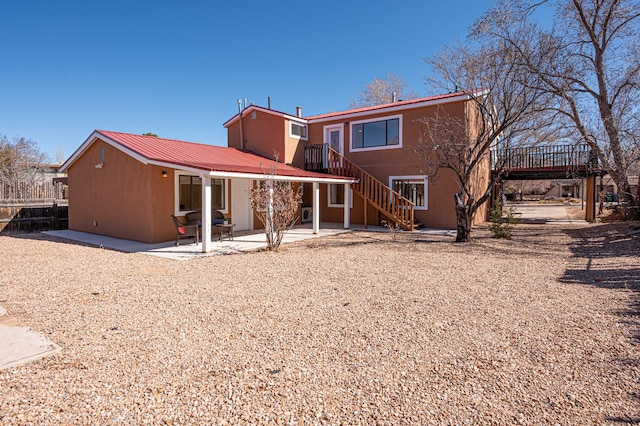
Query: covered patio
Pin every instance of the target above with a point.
(243, 241)
(280, 174)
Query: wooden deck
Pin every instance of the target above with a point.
(545, 162)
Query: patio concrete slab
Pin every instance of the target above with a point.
(243, 241)
(548, 213)
(21, 345)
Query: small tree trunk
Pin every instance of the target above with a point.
(463, 221)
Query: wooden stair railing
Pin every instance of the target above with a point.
(387, 201)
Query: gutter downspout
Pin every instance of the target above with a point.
(240, 116)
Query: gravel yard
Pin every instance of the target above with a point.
(358, 328)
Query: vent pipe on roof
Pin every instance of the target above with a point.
(299, 112)
(394, 97)
(269, 102)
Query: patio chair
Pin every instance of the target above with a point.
(185, 230)
(217, 218)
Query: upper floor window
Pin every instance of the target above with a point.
(299, 130)
(376, 133)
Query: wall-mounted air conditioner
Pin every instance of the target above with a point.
(307, 215)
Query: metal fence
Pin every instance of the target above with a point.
(544, 157)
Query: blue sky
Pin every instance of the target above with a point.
(177, 68)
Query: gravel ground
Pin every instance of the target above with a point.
(359, 328)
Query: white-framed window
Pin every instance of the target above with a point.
(298, 130)
(189, 193)
(412, 187)
(335, 195)
(376, 133)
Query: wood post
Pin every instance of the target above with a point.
(590, 211)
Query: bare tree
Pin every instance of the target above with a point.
(381, 91)
(276, 204)
(589, 61)
(498, 113)
(59, 155)
(20, 161)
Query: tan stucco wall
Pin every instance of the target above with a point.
(267, 135)
(402, 161)
(124, 198)
(263, 135)
(293, 147)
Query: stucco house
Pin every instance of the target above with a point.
(128, 186)
(377, 146)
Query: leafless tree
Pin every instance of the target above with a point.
(499, 113)
(381, 91)
(589, 61)
(20, 161)
(276, 204)
(59, 155)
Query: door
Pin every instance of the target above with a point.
(241, 211)
(334, 137)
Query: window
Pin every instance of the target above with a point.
(299, 130)
(412, 187)
(336, 195)
(190, 193)
(218, 195)
(376, 134)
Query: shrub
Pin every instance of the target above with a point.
(502, 220)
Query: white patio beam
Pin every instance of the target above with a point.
(315, 207)
(347, 206)
(206, 214)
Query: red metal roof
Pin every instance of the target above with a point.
(400, 104)
(204, 157)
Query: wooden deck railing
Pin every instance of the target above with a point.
(321, 158)
(544, 157)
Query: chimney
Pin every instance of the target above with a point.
(299, 112)
(394, 97)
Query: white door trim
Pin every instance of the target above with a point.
(327, 130)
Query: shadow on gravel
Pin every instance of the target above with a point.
(612, 252)
(603, 245)
(606, 243)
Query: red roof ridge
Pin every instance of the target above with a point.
(388, 105)
(106, 132)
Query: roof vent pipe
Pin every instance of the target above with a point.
(394, 97)
(299, 112)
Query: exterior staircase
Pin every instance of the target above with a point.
(398, 209)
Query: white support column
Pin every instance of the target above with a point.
(315, 207)
(206, 214)
(347, 205)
